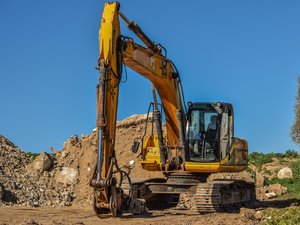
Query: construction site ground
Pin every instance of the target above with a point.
(86, 216)
(54, 188)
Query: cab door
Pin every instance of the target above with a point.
(234, 151)
(226, 131)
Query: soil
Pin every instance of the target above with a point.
(86, 216)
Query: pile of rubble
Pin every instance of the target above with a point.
(25, 181)
(62, 178)
(274, 169)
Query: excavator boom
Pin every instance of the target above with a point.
(116, 50)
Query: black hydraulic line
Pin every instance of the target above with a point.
(181, 132)
(146, 126)
(119, 170)
(165, 50)
(157, 117)
(140, 33)
(180, 86)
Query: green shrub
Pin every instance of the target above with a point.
(292, 154)
(259, 159)
(33, 155)
(286, 216)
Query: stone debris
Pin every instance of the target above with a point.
(259, 180)
(248, 213)
(232, 176)
(270, 195)
(275, 190)
(278, 189)
(31, 222)
(269, 170)
(186, 201)
(62, 178)
(67, 176)
(43, 162)
(258, 215)
(251, 214)
(285, 172)
(26, 181)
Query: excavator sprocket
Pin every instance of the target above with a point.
(223, 195)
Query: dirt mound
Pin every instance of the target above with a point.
(127, 130)
(63, 177)
(80, 154)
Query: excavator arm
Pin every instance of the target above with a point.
(107, 91)
(160, 72)
(116, 50)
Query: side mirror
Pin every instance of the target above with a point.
(135, 146)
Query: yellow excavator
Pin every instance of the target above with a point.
(198, 141)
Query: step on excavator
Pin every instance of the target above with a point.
(198, 141)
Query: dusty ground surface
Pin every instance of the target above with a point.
(86, 216)
(74, 215)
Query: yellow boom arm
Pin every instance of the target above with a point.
(149, 62)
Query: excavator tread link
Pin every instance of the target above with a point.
(207, 198)
(213, 196)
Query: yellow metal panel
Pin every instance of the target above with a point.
(159, 71)
(108, 36)
(211, 167)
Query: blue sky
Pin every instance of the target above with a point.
(243, 52)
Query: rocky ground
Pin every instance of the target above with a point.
(54, 188)
(85, 216)
(62, 178)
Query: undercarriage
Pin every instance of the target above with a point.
(213, 196)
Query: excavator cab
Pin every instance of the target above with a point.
(210, 145)
(209, 132)
(203, 133)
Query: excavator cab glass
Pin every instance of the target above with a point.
(203, 132)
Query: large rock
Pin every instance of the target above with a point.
(278, 189)
(270, 195)
(258, 215)
(251, 214)
(67, 176)
(285, 172)
(43, 162)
